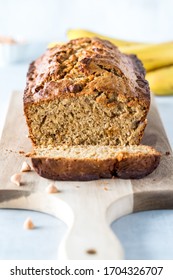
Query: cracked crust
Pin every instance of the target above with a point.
(86, 92)
(83, 66)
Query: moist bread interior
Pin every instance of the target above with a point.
(86, 92)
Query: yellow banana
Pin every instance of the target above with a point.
(157, 57)
(53, 44)
(153, 55)
(78, 33)
(161, 80)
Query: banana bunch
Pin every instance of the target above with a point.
(53, 44)
(157, 59)
(78, 33)
(153, 56)
(161, 80)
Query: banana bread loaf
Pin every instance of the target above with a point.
(95, 162)
(86, 92)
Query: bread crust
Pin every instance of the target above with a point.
(94, 73)
(124, 165)
(82, 67)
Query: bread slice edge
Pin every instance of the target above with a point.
(125, 163)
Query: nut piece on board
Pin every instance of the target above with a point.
(25, 167)
(16, 179)
(28, 224)
(51, 188)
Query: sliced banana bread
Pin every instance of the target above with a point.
(86, 92)
(94, 162)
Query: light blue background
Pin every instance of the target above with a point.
(149, 20)
(145, 235)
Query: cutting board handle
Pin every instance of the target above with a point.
(88, 239)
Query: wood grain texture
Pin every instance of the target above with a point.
(88, 208)
(156, 190)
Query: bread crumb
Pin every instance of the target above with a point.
(25, 167)
(106, 189)
(16, 179)
(91, 252)
(7, 150)
(28, 155)
(28, 224)
(21, 152)
(51, 188)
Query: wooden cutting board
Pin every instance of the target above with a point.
(88, 208)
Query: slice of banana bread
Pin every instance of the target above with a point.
(86, 92)
(94, 162)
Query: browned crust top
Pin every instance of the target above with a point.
(83, 66)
